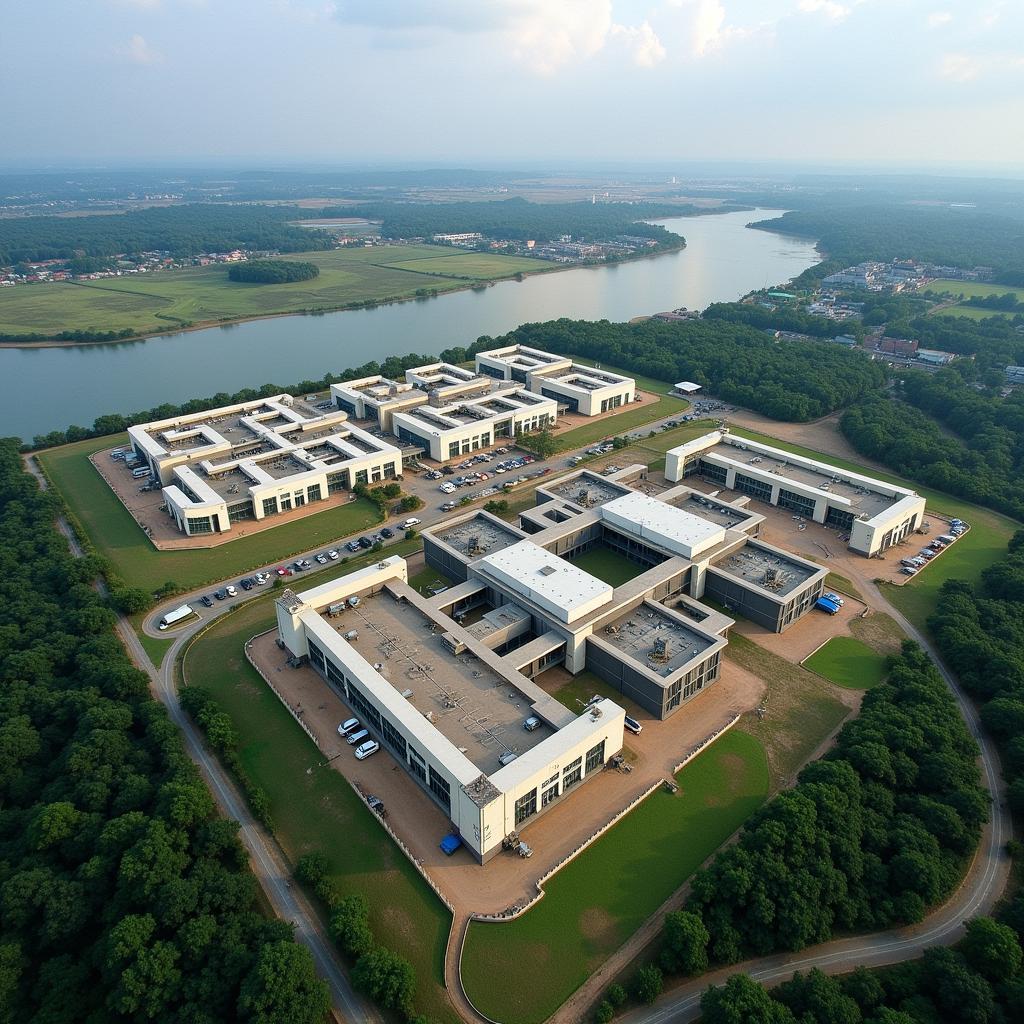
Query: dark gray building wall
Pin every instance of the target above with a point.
(759, 608)
(439, 558)
(629, 682)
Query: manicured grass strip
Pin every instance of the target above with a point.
(521, 971)
(314, 808)
(834, 581)
(607, 565)
(848, 662)
(116, 535)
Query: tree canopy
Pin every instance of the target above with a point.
(272, 271)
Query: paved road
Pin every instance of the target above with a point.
(977, 895)
(266, 858)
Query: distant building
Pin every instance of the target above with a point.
(845, 339)
(934, 357)
(686, 387)
(1014, 374)
(897, 347)
(459, 237)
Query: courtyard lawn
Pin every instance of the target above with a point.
(982, 546)
(427, 578)
(314, 808)
(161, 301)
(848, 662)
(521, 971)
(607, 565)
(115, 534)
(576, 690)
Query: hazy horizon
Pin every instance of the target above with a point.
(906, 86)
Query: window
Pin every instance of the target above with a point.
(798, 503)
(392, 737)
(716, 474)
(269, 506)
(313, 492)
(453, 449)
(572, 774)
(839, 518)
(286, 502)
(760, 489)
(336, 676)
(361, 477)
(440, 788)
(199, 525)
(317, 657)
(361, 704)
(417, 765)
(549, 794)
(243, 510)
(595, 757)
(300, 499)
(337, 482)
(526, 806)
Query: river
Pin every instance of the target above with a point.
(44, 389)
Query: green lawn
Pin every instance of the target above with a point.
(848, 662)
(835, 581)
(521, 971)
(314, 808)
(428, 577)
(578, 689)
(983, 545)
(970, 289)
(608, 565)
(115, 534)
(161, 301)
(971, 312)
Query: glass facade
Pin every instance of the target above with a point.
(798, 503)
(526, 806)
(759, 489)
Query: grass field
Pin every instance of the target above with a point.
(982, 546)
(802, 708)
(970, 289)
(578, 689)
(835, 581)
(175, 298)
(970, 312)
(520, 972)
(848, 662)
(314, 808)
(607, 565)
(116, 535)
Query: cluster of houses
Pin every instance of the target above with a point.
(47, 271)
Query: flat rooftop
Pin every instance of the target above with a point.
(477, 710)
(476, 537)
(718, 512)
(666, 526)
(655, 639)
(767, 569)
(587, 490)
(862, 500)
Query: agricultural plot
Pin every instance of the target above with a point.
(179, 298)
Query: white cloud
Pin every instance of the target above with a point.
(138, 51)
(966, 67)
(939, 18)
(708, 26)
(642, 43)
(831, 9)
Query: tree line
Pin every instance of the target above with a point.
(948, 237)
(182, 231)
(123, 896)
(786, 380)
(272, 271)
(981, 457)
(520, 220)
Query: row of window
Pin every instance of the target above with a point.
(798, 503)
(572, 773)
(200, 524)
(469, 444)
(611, 403)
(759, 489)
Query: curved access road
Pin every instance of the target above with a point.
(265, 856)
(980, 890)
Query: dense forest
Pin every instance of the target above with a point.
(994, 341)
(272, 271)
(520, 220)
(982, 459)
(787, 380)
(871, 835)
(180, 230)
(123, 896)
(952, 237)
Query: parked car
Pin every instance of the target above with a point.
(283, 571)
(632, 725)
(321, 559)
(410, 523)
(365, 542)
(448, 506)
(386, 532)
(207, 600)
(246, 584)
(364, 750)
(231, 592)
(531, 723)
(332, 555)
(220, 594)
(447, 488)
(353, 739)
(348, 726)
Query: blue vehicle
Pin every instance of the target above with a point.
(451, 843)
(825, 605)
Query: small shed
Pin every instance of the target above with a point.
(686, 387)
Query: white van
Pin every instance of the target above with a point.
(140, 472)
(357, 737)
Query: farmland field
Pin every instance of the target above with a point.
(146, 303)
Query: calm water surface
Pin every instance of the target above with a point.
(47, 389)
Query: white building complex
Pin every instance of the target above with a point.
(446, 682)
(580, 389)
(875, 515)
(257, 459)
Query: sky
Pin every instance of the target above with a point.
(520, 82)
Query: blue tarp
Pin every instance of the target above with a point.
(826, 605)
(450, 844)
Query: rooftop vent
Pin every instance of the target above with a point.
(547, 570)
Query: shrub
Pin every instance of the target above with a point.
(648, 983)
(604, 1013)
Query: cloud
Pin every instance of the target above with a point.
(831, 9)
(138, 51)
(642, 43)
(939, 18)
(966, 67)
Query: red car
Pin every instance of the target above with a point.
(282, 571)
